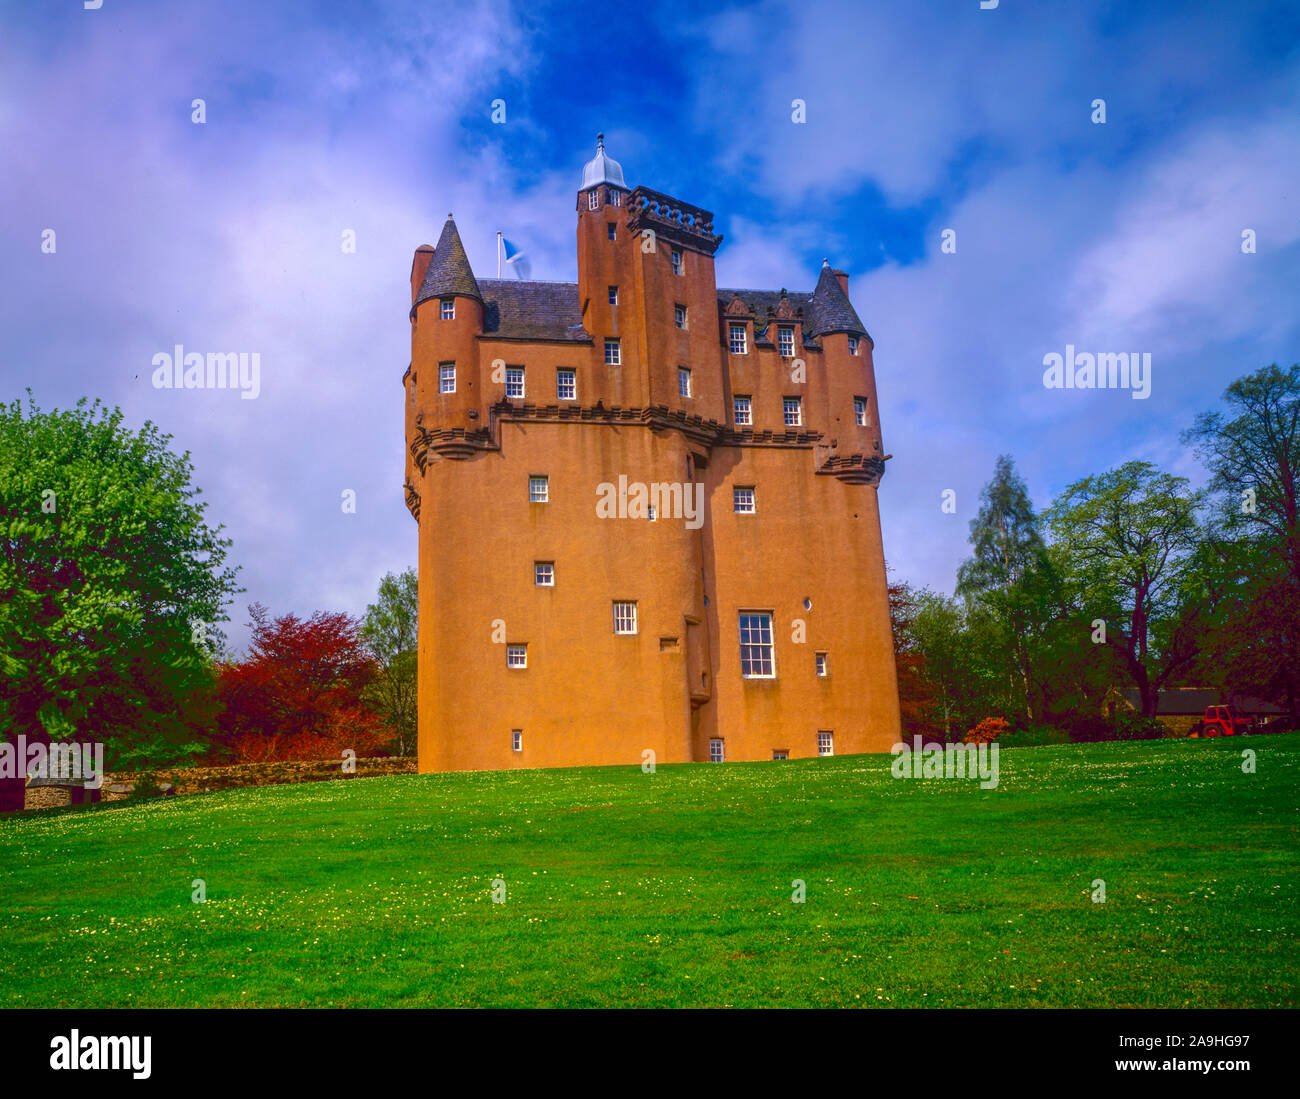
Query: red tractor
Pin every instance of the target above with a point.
(1220, 721)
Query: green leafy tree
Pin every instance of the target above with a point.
(1125, 542)
(112, 585)
(391, 632)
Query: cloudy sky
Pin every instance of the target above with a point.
(376, 118)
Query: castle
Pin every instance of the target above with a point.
(647, 506)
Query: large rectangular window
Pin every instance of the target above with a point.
(743, 409)
(737, 344)
(446, 377)
(613, 355)
(566, 384)
(785, 341)
(756, 655)
(793, 409)
(514, 382)
(625, 618)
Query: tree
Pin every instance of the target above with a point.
(1124, 541)
(1003, 572)
(390, 631)
(916, 694)
(1253, 454)
(112, 585)
(300, 692)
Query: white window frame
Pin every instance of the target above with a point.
(762, 623)
(737, 338)
(615, 197)
(515, 380)
(822, 665)
(563, 374)
(593, 199)
(744, 499)
(677, 261)
(780, 753)
(717, 750)
(679, 316)
(786, 403)
(446, 373)
(614, 345)
(516, 740)
(613, 295)
(544, 574)
(742, 410)
(625, 617)
(516, 656)
(539, 489)
(860, 411)
(785, 340)
(825, 742)
(683, 381)
(853, 345)
(447, 309)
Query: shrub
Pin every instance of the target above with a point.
(1130, 725)
(1035, 736)
(987, 731)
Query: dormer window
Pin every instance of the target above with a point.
(785, 341)
(736, 342)
(593, 199)
(448, 309)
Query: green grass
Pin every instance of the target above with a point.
(626, 889)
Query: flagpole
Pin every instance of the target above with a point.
(498, 255)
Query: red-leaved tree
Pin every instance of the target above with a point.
(298, 693)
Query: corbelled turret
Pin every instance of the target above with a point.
(449, 272)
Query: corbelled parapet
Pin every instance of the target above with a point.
(672, 220)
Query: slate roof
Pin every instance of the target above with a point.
(515, 309)
(826, 309)
(1194, 701)
(449, 271)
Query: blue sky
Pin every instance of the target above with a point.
(375, 117)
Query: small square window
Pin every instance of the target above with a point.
(737, 344)
(683, 382)
(446, 377)
(677, 261)
(539, 490)
(823, 669)
(785, 341)
(744, 411)
(625, 618)
(516, 656)
(717, 753)
(853, 345)
(514, 382)
(742, 499)
(544, 574)
(612, 229)
(566, 384)
(860, 411)
(825, 743)
(780, 753)
(448, 312)
(516, 740)
(613, 295)
(793, 409)
(593, 199)
(613, 355)
(679, 316)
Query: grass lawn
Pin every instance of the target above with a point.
(627, 889)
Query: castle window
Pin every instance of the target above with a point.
(679, 316)
(825, 743)
(516, 656)
(677, 261)
(793, 411)
(736, 342)
(613, 295)
(446, 377)
(756, 659)
(448, 309)
(742, 500)
(566, 384)
(625, 618)
(822, 667)
(516, 740)
(860, 411)
(651, 513)
(544, 574)
(612, 353)
(744, 411)
(539, 490)
(853, 345)
(514, 381)
(615, 198)
(683, 382)
(780, 753)
(593, 199)
(717, 754)
(612, 229)
(785, 341)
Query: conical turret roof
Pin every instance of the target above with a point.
(832, 308)
(449, 271)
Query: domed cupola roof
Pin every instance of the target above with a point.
(602, 169)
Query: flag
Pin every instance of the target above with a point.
(515, 255)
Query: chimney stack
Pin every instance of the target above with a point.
(842, 277)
